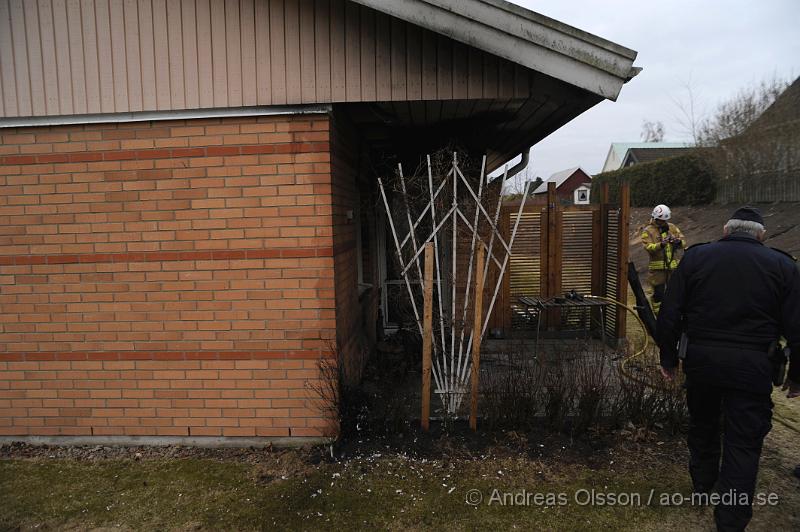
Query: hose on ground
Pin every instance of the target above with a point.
(627, 373)
(623, 367)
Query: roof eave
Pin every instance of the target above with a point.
(524, 37)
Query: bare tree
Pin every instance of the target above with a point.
(652, 131)
(516, 184)
(736, 115)
(748, 136)
(689, 114)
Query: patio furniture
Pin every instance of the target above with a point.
(567, 305)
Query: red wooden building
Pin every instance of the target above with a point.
(566, 182)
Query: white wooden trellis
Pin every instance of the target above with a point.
(451, 360)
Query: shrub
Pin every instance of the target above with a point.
(511, 394)
(682, 180)
(559, 388)
(342, 404)
(580, 391)
(593, 377)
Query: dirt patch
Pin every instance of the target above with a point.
(277, 462)
(455, 442)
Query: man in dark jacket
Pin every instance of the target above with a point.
(734, 299)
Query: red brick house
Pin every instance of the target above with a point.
(188, 219)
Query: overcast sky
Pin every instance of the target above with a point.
(719, 46)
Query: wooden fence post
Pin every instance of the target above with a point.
(544, 263)
(553, 252)
(476, 340)
(427, 337)
(552, 244)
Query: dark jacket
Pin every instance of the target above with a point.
(733, 297)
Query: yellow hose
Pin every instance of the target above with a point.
(623, 367)
(627, 374)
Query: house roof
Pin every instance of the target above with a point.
(559, 178)
(646, 155)
(350, 49)
(493, 76)
(618, 150)
(524, 37)
(785, 108)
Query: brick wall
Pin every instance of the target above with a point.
(166, 278)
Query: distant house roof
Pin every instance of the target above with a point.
(559, 178)
(646, 155)
(618, 150)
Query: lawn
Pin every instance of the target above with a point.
(375, 491)
(371, 487)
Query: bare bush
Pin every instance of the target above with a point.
(594, 379)
(559, 390)
(340, 398)
(583, 391)
(512, 393)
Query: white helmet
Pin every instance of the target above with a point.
(662, 212)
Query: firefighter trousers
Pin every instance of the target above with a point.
(657, 279)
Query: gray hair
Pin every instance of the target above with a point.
(735, 225)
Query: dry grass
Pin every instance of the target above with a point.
(387, 490)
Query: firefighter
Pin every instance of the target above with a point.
(733, 299)
(662, 240)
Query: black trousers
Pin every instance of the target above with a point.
(741, 420)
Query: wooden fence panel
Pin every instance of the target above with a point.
(525, 265)
(562, 248)
(577, 251)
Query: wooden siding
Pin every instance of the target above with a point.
(64, 57)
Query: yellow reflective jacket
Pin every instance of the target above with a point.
(662, 257)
